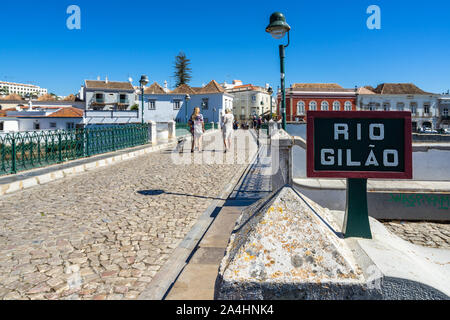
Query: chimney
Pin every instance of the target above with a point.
(166, 89)
(106, 79)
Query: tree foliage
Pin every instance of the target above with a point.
(183, 73)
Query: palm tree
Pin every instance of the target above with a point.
(182, 72)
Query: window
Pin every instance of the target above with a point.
(426, 108)
(347, 106)
(99, 97)
(176, 104)
(254, 98)
(300, 108)
(444, 113)
(52, 124)
(313, 106)
(413, 106)
(386, 106)
(123, 98)
(372, 106)
(400, 106)
(152, 104)
(324, 106)
(36, 126)
(205, 103)
(336, 106)
(70, 125)
(1, 126)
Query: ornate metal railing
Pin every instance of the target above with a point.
(26, 150)
(182, 129)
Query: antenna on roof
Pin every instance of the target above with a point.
(98, 78)
(130, 79)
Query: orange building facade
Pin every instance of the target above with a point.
(301, 97)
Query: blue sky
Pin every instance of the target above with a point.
(226, 40)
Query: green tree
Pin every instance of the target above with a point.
(4, 91)
(182, 72)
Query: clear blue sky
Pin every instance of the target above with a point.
(226, 40)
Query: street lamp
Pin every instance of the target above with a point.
(270, 91)
(143, 82)
(187, 98)
(278, 28)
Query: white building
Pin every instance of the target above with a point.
(35, 119)
(22, 89)
(444, 108)
(161, 105)
(249, 100)
(423, 105)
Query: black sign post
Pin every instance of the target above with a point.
(358, 145)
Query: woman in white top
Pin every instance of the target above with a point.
(198, 128)
(227, 128)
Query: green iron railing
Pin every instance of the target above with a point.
(26, 150)
(182, 129)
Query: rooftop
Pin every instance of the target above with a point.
(110, 85)
(319, 87)
(211, 87)
(398, 88)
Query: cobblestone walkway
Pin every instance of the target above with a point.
(428, 234)
(104, 234)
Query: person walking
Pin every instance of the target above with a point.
(197, 129)
(227, 129)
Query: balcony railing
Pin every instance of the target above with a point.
(111, 113)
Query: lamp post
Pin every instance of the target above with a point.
(186, 98)
(278, 28)
(143, 81)
(270, 91)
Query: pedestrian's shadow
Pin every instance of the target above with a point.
(157, 192)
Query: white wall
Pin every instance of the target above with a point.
(164, 104)
(420, 100)
(10, 125)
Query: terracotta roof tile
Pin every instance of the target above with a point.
(183, 89)
(67, 112)
(364, 90)
(155, 88)
(212, 87)
(398, 88)
(316, 86)
(112, 85)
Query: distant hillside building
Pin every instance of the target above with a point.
(22, 89)
(301, 97)
(424, 106)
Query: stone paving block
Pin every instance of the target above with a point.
(197, 276)
(208, 255)
(86, 219)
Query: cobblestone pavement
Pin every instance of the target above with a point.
(428, 234)
(104, 234)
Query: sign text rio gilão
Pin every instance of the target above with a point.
(359, 144)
